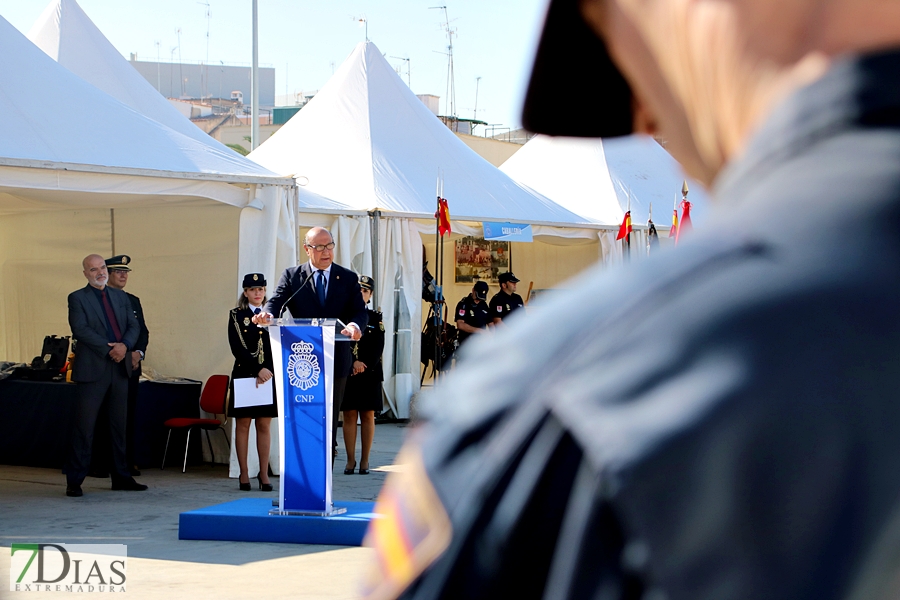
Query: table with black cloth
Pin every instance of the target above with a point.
(37, 422)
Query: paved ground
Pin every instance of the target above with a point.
(34, 508)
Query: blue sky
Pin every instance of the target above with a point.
(495, 40)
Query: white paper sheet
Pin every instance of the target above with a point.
(247, 394)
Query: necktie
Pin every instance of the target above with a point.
(111, 316)
(256, 310)
(320, 286)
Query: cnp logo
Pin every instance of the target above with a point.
(67, 567)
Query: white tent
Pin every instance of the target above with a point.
(367, 141)
(596, 178)
(80, 172)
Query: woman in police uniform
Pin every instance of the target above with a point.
(363, 395)
(252, 358)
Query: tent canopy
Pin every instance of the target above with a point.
(367, 141)
(595, 178)
(97, 145)
(69, 37)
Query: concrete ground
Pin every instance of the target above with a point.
(34, 508)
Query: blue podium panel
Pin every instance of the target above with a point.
(304, 363)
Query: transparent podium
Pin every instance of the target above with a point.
(303, 356)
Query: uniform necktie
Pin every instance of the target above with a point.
(111, 316)
(320, 286)
(256, 310)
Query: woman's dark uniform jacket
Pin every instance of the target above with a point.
(364, 390)
(252, 351)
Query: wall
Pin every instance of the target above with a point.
(493, 151)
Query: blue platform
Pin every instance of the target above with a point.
(248, 520)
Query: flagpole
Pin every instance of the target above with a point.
(439, 316)
(628, 232)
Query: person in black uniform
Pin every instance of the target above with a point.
(506, 300)
(716, 422)
(119, 269)
(252, 358)
(363, 394)
(472, 312)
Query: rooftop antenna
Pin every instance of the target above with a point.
(204, 87)
(364, 21)
(408, 84)
(451, 88)
(172, 71)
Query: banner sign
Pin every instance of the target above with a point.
(304, 357)
(511, 232)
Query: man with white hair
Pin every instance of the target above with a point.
(720, 422)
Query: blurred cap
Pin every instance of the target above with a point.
(118, 263)
(366, 282)
(481, 289)
(252, 280)
(575, 88)
(507, 277)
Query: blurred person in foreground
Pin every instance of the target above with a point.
(722, 423)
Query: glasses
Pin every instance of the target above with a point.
(321, 247)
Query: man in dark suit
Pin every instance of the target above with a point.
(104, 324)
(321, 289)
(118, 277)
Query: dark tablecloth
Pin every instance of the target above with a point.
(38, 417)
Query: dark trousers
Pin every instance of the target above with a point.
(109, 392)
(340, 384)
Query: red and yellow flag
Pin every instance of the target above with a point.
(685, 225)
(443, 217)
(673, 232)
(625, 228)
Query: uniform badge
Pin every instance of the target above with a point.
(500, 308)
(462, 312)
(246, 321)
(255, 277)
(303, 366)
(471, 313)
(381, 325)
(507, 307)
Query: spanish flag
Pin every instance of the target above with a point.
(625, 228)
(685, 225)
(673, 232)
(443, 217)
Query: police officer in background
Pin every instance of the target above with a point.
(717, 422)
(472, 313)
(506, 300)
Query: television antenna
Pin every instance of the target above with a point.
(408, 84)
(451, 88)
(204, 77)
(477, 81)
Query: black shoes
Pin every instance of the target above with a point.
(263, 487)
(363, 470)
(74, 491)
(128, 485)
(350, 470)
(244, 487)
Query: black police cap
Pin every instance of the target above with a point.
(366, 282)
(252, 280)
(481, 290)
(562, 96)
(507, 277)
(118, 263)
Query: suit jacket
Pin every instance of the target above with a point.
(343, 300)
(144, 335)
(87, 320)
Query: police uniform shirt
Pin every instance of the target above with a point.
(750, 453)
(472, 313)
(502, 304)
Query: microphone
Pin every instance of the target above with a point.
(291, 297)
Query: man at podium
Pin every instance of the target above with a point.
(321, 289)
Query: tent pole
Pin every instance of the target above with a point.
(112, 230)
(254, 82)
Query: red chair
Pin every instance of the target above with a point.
(212, 400)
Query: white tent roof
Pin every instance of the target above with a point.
(594, 178)
(365, 140)
(68, 36)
